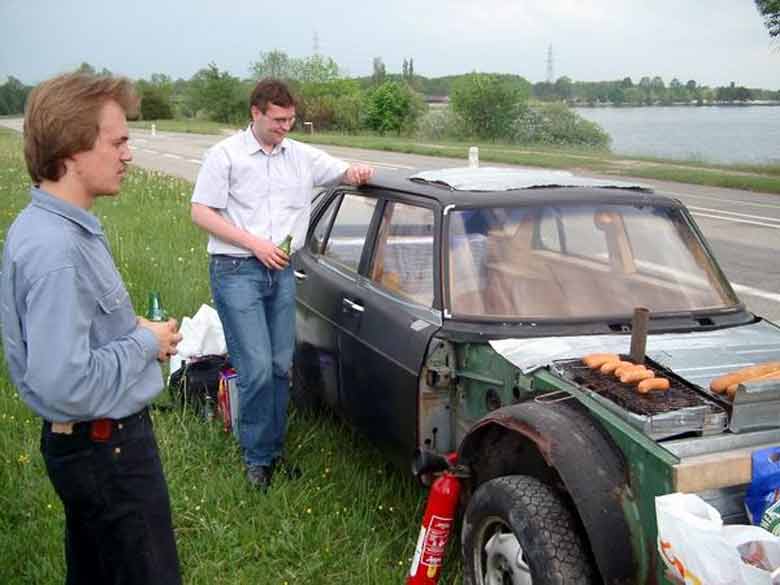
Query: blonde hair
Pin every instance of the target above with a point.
(61, 119)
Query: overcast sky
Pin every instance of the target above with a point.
(713, 42)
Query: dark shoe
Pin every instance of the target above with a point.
(259, 476)
(290, 470)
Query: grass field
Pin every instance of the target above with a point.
(350, 520)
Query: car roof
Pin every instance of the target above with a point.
(494, 186)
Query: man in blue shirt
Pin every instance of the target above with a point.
(77, 353)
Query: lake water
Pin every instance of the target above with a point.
(720, 134)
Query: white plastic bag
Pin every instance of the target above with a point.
(759, 551)
(698, 550)
(202, 335)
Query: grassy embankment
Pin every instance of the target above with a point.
(349, 520)
(761, 178)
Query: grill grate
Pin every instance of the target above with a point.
(679, 395)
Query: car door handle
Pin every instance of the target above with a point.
(299, 275)
(352, 306)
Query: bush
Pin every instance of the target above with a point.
(556, 124)
(487, 104)
(440, 124)
(348, 111)
(393, 107)
(155, 107)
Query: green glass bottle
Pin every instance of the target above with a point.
(155, 312)
(286, 245)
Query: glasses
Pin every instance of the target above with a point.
(282, 121)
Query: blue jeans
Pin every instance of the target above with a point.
(257, 308)
(117, 511)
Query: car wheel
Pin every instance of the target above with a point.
(303, 391)
(518, 531)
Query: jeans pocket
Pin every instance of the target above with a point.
(75, 480)
(225, 265)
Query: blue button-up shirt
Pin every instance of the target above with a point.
(72, 342)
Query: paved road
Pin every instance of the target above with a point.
(743, 228)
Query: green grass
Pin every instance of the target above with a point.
(188, 125)
(350, 520)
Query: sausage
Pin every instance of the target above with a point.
(636, 375)
(596, 360)
(610, 367)
(720, 384)
(623, 369)
(652, 384)
(732, 390)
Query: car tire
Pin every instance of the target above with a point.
(303, 392)
(517, 530)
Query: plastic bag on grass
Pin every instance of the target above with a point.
(697, 548)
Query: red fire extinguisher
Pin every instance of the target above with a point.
(436, 525)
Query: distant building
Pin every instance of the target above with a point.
(437, 99)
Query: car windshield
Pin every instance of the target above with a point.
(578, 261)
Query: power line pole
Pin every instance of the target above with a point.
(316, 43)
(550, 73)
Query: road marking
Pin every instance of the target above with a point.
(769, 225)
(169, 155)
(392, 167)
(734, 201)
(755, 292)
(150, 151)
(733, 213)
(197, 161)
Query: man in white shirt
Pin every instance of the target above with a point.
(253, 190)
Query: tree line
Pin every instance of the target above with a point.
(502, 107)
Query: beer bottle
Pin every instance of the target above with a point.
(155, 312)
(286, 245)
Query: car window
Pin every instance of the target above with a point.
(579, 261)
(348, 235)
(550, 230)
(320, 230)
(403, 256)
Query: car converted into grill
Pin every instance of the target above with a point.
(457, 313)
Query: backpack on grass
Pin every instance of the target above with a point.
(195, 385)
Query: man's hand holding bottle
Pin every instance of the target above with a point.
(273, 256)
(165, 330)
(270, 254)
(167, 334)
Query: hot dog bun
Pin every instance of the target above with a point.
(596, 360)
(610, 367)
(732, 390)
(624, 369)
(646, 386)
(636, 375)
(721, 383)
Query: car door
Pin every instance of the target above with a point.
(388, 320)
(325, 268)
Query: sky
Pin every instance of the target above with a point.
(713, 42)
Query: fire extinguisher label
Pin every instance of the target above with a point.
(417, 552)
(435, 541)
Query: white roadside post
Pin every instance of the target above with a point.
(473, 157)
(154, 129)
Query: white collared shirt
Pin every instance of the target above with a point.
(268, 195)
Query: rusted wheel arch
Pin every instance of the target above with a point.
(561, 445)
